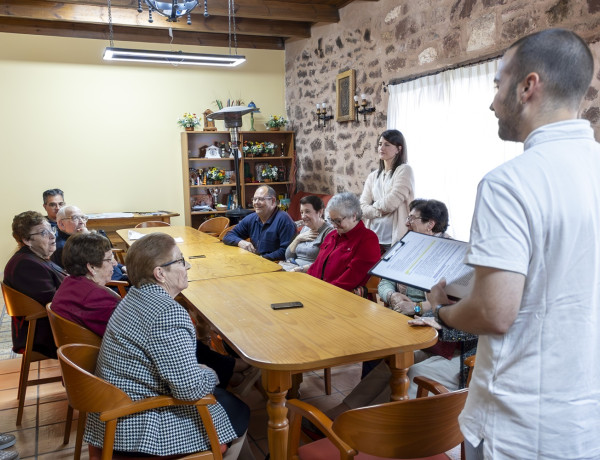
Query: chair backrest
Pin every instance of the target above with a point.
(215, 225)
(85, 391)
(66, 332)
(225, 232)
(153, 223)
(412, 428)
(470, 363)
(19, 304)
(120, 285)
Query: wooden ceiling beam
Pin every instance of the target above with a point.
(131, 34)
(255, 9)
(90, 14)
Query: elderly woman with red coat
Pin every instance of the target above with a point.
(347, 254)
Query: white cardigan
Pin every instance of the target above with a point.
(396, 198)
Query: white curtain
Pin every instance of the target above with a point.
(451, 136)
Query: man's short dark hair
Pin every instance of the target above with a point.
(563, 61)
(52, 192)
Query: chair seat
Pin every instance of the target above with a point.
(323, 449)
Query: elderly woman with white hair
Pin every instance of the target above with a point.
(347, 254)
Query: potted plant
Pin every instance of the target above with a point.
(215, 175)
(276, 122)
(270, 148)
(269, 173)
(189, 121)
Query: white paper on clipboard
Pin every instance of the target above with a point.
(421, 261)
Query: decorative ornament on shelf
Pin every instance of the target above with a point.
(252, 105)
(189, 121)
(276, 122)
(269, 173)
(215, 175)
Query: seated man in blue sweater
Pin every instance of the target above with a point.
(270, 230)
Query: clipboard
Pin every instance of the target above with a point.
(421, 261)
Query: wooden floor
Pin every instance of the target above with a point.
(41, 434)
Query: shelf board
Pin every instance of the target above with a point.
(211, 159)
(267, 183)
(229, 184)
(276, 157)
(203, 213)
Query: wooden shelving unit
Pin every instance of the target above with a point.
(193, 145)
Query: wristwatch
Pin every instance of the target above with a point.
(436, 315)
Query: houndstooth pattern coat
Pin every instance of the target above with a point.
(149, 349)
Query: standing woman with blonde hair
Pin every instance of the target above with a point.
(388, 190)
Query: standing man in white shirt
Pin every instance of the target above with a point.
(535, 246)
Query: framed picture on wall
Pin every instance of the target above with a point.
(345, 88)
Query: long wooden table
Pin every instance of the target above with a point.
(334, 327)
(219, 261)
(110, 222)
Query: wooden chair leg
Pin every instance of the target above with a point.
(68, 424)
(79, 436)
(25, 364)
(327, 377)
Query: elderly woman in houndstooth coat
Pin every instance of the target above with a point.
(149, 349)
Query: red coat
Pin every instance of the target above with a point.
(345, 260)
(82, 301)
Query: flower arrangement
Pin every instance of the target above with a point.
(215, 174)
(276, 121)
(189, 120)
(269, 147)
(269, 172)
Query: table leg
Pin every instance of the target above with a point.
(276, 384)
(399, 382)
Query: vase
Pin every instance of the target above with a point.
(276, 128)
(217, 181)
(266, 180)
(189, 128)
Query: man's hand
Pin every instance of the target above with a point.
(247, 245)
(437, 295)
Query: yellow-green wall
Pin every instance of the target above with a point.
(106, 133)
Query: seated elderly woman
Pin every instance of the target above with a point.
(346, 255)
(31, 272)
(149, 349)
(303, 250)
(444, 362)
(84, 299)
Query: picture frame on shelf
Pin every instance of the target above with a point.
(345, 87)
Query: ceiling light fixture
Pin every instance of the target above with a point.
(173, 10)
(171, 57)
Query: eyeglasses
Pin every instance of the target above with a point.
(45, 233)
(82, 219)
(56, 205)
(411, 218)
(336, 222)
(261, 199)
(182, 261)
(112, 257)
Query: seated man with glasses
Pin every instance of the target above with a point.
(270, 230)
(71, 220)
(53, 201)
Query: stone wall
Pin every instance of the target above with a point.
(384, 40)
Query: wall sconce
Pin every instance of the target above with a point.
(322, 115)
(362, 107)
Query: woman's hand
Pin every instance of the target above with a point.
(402, 304)
(426, 321)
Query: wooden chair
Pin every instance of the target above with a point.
(120, 285)
(153, 223)
(18, 304)
(225, 232)
(119, 255)
(414, 428)
(66, 332)
(470, 363)
(214, 226)
(88, 393)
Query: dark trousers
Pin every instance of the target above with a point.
(221, 364)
